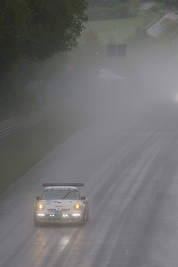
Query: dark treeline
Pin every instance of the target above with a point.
(111, 3)
(106, 3)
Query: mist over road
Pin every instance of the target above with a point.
(128, 161)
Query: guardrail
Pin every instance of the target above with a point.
(21, 122)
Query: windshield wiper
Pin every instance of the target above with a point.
(66, 195)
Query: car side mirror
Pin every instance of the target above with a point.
(38, 198)
(83, 198)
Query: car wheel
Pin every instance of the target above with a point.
(36, 223)
(84, 218)
(88, 215)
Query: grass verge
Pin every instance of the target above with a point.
(118, 29)
(21, 150)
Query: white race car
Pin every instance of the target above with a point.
(61, 203)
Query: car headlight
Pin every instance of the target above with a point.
(77, 207)
(40, 207)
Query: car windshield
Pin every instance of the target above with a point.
(60, 194)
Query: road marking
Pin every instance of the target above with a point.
(126, 252)
(91, 251)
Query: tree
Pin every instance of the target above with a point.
(33, 31)
(147, 17)
(91, 52)
(36, 30)
(135, 6)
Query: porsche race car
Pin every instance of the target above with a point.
(61, 203)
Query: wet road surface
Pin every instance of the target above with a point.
(128, 161)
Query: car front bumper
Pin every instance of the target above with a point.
(48, 218)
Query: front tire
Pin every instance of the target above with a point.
(84, 218)
(36, 223)
(87, 215)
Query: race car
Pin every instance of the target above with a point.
(61, 203)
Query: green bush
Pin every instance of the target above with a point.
(155, 8)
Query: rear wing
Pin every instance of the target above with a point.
(63, 184)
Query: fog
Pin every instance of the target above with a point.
(150, 81)
(126, 155)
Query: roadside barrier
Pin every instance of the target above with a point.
(21, 122)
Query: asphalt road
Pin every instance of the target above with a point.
(128, 160)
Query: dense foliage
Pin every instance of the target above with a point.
(34, 31)
(38, 29)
